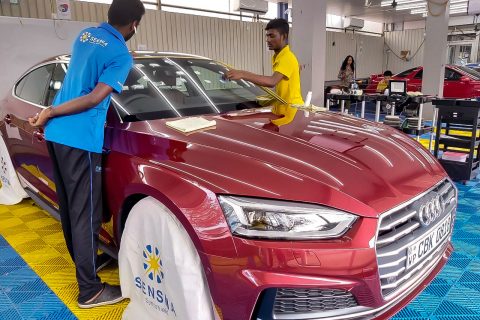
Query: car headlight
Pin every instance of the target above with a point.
(272, 219)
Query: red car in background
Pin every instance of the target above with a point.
(460, 82)
(328, 217)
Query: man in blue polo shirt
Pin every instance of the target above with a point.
(74, 128)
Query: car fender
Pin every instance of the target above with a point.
(193, 204)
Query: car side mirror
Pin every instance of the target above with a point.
(465, 79)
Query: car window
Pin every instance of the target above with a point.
(472, 72)
(56, 82)
(452, 75)
(212, 80)
(405, 73)
(161, 87)
(419, 74)
(33, 86)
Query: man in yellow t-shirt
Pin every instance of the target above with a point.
(286, 72)
(383, 84)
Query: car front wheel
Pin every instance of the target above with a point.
(160, 270)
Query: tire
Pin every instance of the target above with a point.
(11, 191)
(160, 270)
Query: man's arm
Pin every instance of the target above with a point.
(259, 80)
(99, 93)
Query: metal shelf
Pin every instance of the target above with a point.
(463, 116)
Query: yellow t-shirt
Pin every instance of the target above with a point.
(382, 85)
(288, 88)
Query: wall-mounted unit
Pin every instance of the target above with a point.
(353, 23)
(259, 7)
(473, 7)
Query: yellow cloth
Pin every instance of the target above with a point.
(382, 85)
(288, 88)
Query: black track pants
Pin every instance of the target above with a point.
(78, 180)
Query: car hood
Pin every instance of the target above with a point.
(334, 160)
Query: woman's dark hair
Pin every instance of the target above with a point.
(345, 62)
(387, 73)
(124, 12)
(281, 25)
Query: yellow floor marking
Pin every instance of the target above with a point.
(38, 239)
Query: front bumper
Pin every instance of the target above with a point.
(245, 293)
(363, 275)
(385, 311)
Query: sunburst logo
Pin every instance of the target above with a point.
(152, 264)
(85, 36)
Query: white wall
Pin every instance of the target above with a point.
(404, 40)
(240, 44)
(237, 43)
(368, 51)
(26, 42)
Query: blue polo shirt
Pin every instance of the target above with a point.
(99, 54)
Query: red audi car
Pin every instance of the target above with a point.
(328, 217)
(460, 82)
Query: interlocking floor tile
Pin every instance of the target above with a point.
(48, 272)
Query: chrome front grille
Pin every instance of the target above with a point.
(401, 228)
(295, 301)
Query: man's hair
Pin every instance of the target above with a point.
(281, 25)
(123, 12)
(387, 73)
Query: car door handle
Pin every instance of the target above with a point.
(8, 119)
(39, 135)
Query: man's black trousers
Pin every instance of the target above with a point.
(78, 180)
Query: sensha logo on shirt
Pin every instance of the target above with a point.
(87, 37)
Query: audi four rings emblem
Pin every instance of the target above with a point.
(430, 211)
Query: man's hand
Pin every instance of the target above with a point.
(40, 119)
(235, 74)
(270, 126)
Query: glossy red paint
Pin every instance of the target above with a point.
(457, 83)
(328, 159)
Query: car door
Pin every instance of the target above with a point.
(408, 76)
(27, 144)
(416, 82)
(453, 86)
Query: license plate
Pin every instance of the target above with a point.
(423, 247)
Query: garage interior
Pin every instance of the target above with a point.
(37, 276)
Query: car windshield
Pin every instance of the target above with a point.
(166, 87)
(474, 74)
(405, 73)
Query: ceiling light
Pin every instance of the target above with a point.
(411, 6)
(399, 2)
(456, 11)
(420, 6)
(458, 6)
(418, 11)
(409, 1)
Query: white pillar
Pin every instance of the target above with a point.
(434, 57)
(308, 41)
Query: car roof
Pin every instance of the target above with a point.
(135, 54)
